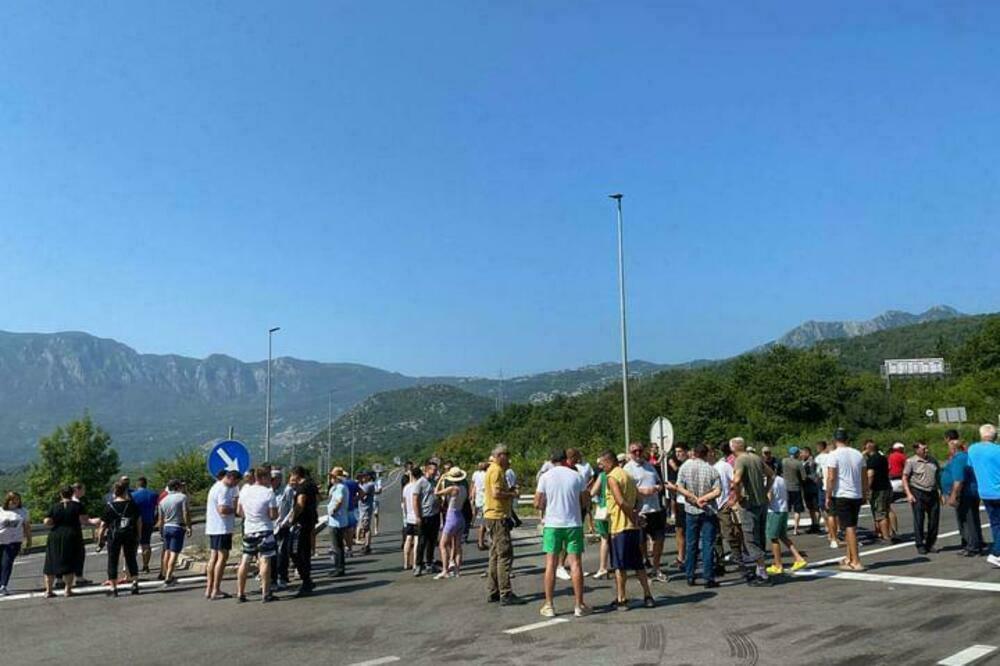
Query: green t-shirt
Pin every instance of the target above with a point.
(753, 482)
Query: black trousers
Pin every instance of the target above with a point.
(282, 558)
(926, 517)
(299, 540)
(430, 526)
(337, 548)
(127, 545)
(970, 525)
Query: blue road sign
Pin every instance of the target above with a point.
(228, 455)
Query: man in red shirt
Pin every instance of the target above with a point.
(897, 461)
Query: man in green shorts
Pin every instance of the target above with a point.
(559, 496)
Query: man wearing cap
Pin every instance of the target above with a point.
(499, 499)
(337, 520)
(961, 491)
(846, 486)
(285, 494)
(921, 479)
(794, 476)
(879, 489)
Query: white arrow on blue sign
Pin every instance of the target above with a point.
(227, 456)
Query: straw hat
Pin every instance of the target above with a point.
(455, 474)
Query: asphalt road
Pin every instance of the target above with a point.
(907, 609)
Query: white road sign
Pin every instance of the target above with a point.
(661, 433)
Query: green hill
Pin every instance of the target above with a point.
(401, 421)
(778, 396)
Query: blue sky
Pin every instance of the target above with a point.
(422, 186)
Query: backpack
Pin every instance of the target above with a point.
(122, 523)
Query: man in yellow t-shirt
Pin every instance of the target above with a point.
(626, 535)
(496, 511)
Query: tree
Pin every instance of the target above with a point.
(982, 350)
(77, 452)
(187, 465)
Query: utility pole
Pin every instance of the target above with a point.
(621, 301)
(354, 437)
(267, 409)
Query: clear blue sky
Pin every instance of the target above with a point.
(422, 186)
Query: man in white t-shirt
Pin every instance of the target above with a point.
(846, 486)
(822, 462)
(478, 492)
(729, 525)
(560, 496)
(220, 521)
(511, 478)
(654, 518)
(411, 519)
(259, 509)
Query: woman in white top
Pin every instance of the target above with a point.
(15, 530)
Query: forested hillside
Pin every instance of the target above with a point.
(780, 396)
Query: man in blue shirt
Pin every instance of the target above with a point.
(145, 500)
(337, 511)
(958, 488)
(985, 459)
(353, 489)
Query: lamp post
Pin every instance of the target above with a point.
(267, 409)
(329, 434)
(621, 300)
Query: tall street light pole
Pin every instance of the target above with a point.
(329, 434)
(267, 409)
(621, 300)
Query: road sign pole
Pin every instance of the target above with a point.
(621, 302)
(267, 409)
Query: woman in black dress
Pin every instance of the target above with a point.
(121, 524)
(64, 553)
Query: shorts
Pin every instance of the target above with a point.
(557, 539)
(454, 523)
(173, 538)
(146, 533)
(411, 529)
(626, 552)
(821, 498)
(262, 544)
(603, 528)
(880, 503)
(777, 526)
(847, 510)
(366, 520)
(795, 501)
(220, 541)
(810, 493)
(655, 525)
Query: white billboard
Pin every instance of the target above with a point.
(913, 366)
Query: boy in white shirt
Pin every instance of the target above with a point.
(259, 509)
(777, 528)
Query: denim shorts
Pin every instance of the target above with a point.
(173, 538)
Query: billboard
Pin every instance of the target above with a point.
(913, 366)
(952, 415)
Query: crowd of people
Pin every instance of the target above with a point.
(723, 504)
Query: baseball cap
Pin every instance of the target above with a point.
(899, 445)
(840, 435)
(793, 450)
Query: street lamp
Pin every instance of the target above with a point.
(621, 301)
(267, 409)
(329, 434)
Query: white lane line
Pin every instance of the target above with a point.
(376, 662)
(896, 546)
(970, 585)
(968, 655)
(102, 589)
(536, 625)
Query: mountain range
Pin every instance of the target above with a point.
(153, 404)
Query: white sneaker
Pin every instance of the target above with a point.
(582, 611)
(834, 544)
(441, 576)
(562, 573)
(994, 560)
(547, 611)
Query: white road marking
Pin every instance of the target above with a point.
(102, 589)
(968, 655)
(375, 662)
(971, 585)
(536, 625)
(895, 546)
